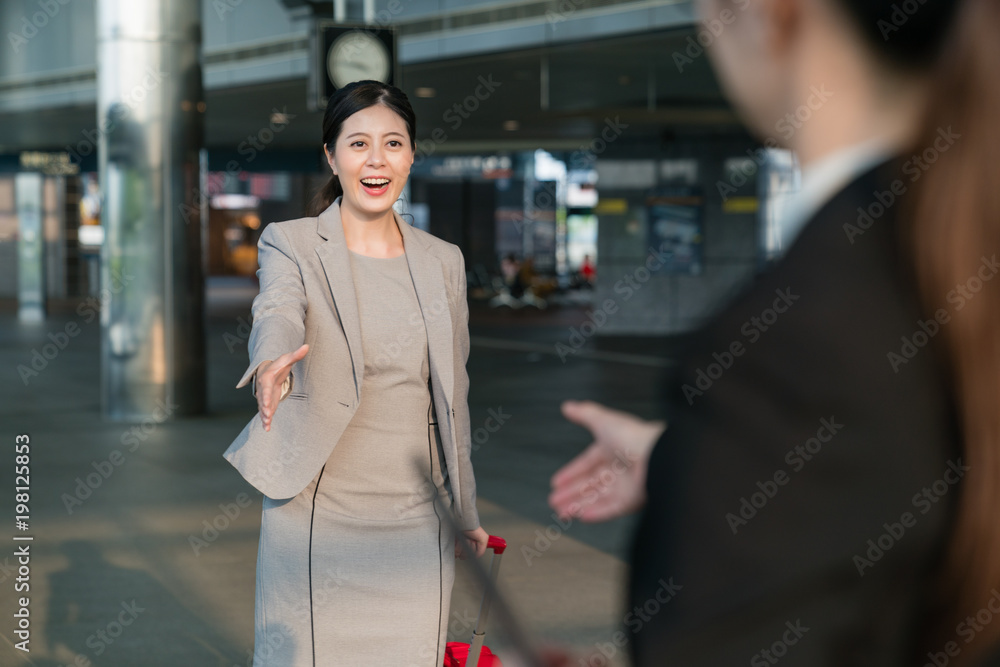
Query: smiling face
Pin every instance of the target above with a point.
(372, 157)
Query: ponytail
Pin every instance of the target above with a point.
(326, 195)
(954, 240)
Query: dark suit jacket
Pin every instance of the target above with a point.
(788, 518)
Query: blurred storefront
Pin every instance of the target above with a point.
(553, 133)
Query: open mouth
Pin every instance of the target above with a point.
(375, 186)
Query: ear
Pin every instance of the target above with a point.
(329, 159)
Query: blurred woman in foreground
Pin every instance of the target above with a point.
(825, 493)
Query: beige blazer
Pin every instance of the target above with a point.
(307, 296)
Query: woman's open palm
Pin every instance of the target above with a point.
(271, 375)
(608, 480)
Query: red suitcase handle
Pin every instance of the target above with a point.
(498, 544)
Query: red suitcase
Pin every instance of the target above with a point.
(474, 654)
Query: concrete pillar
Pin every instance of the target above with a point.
(150, 113)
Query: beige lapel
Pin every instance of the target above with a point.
(427, 273)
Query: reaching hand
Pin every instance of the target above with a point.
(271, 375)
(608, 480)
(477, 539)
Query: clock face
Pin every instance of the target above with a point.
(355, 56)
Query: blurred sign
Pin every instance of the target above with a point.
(491, 166)
(48, 163)
(342, 53)
(541, 215)
(228, 202)
(612, 206)
(90, 235)
(581, 195)
(675, 228)
(740, 205)
(681, 171)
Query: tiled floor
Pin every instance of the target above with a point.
(126, 569)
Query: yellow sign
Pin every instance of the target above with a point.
(740, 205)
(614, 206)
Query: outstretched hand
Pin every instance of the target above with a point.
(271, 375)
(608, 480)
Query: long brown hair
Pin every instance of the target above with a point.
(954, 239)
(344, 103)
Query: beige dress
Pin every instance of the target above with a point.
(358, 568)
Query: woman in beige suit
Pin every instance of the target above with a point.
(358, 352)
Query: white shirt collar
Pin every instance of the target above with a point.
(825, 178)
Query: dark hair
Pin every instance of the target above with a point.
(950, 221)
(909, 34)
(345, 103)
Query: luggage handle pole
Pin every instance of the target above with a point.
(498, 545)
